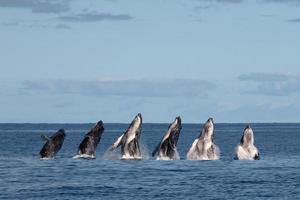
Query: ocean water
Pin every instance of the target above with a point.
(24, 176)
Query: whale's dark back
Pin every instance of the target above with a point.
(53, 144)
(91, 140)
(170, 143)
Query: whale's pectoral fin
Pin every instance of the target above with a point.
(256, 157)
(117, 143)
(44, 137)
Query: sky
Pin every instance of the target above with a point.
(78, 61)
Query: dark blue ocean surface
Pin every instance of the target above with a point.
(24, 176)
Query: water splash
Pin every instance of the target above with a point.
(84, 156)
(144, 151)
(175, 157)
(117, 155)
(112, 154)
(47, 158)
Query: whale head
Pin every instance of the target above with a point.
(176, 123)
(138, 119)
(134, 129)
(99, 123)
(62, 132)
(248, 137)
(136, 123)
(175, 129)
(98, 127)
(208, 129)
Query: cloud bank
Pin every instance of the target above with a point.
(38, 6)
(223, 1)
(240, 1)
(282, 1)
(209, 3)
(271, 84)
(94, 17)
(135, 88)
(295, 20)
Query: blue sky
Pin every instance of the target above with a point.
(86, 60)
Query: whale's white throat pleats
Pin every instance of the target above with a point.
(246, 149)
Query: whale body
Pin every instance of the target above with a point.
(53, 144)
(87, 147)
(166, 149)
(130, 140)
(246, 149)
(203, 147)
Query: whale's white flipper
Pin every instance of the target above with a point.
(117, 143)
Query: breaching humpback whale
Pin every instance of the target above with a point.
(246, 149)
(203, 148)
(87, 147)
(166, 149)
(53, 144)
(129, 141)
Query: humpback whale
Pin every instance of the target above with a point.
(53, 144)
(246, 149)
(87, 147)
(203, 148)
(129, 141)
(166, 149)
